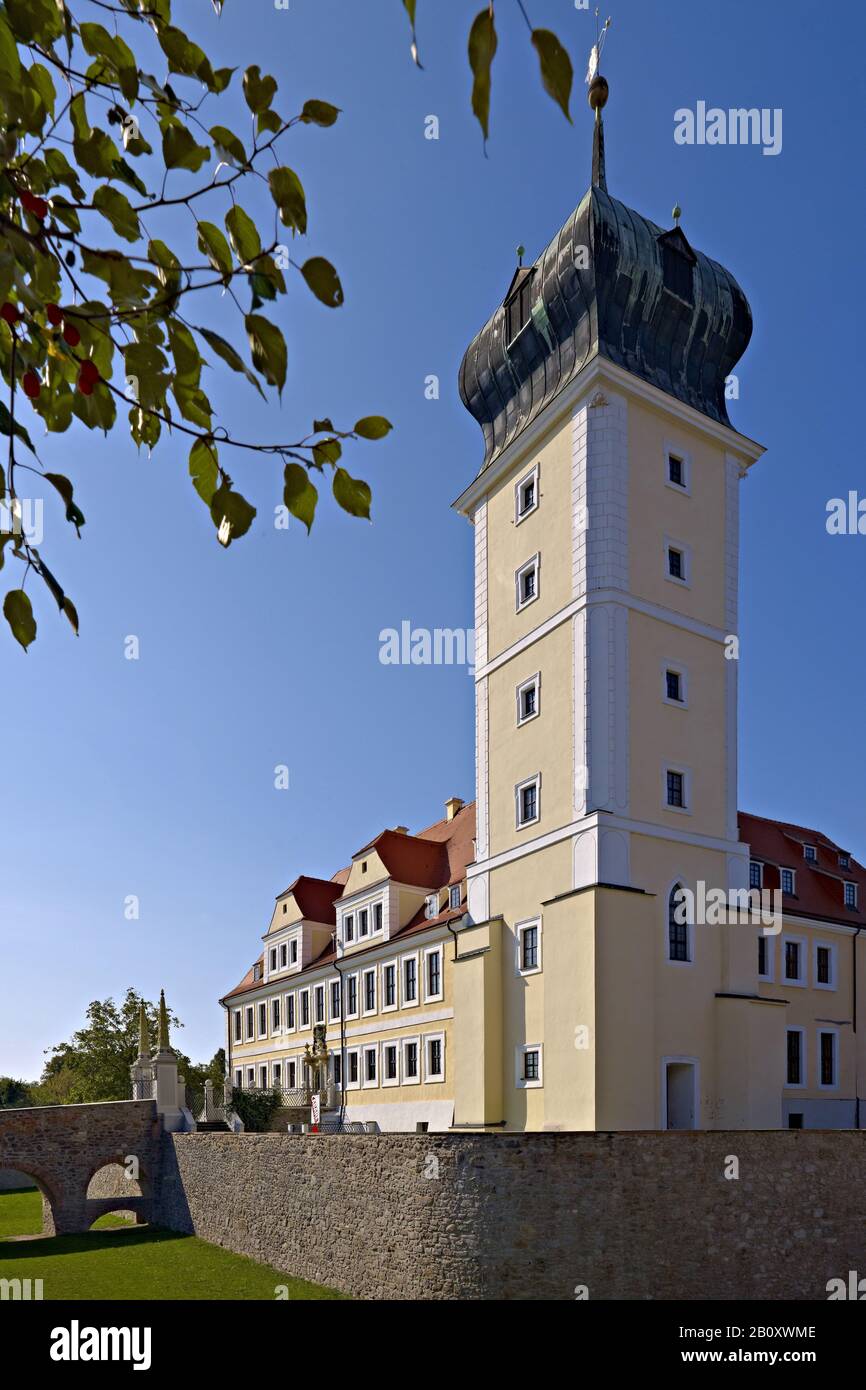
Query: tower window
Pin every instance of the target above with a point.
(518, 308)
(677, 272)
(528, 699)
(527, 799)
(526, 496)
(675, 789)
(675, 471)
(676, 563)
(674, 683)
(678, 928)
(526, 582)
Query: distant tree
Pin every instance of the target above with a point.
(13, 1092)
(215, 1070)
(94, 1064)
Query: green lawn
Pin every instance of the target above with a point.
(137, 1262)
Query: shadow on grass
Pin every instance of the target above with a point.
(45, 1247)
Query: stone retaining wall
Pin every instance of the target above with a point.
(532, 1216)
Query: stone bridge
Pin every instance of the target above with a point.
(62, 1147)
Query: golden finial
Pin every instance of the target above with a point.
(677, 214)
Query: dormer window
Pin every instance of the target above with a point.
(431, 907)
(810, 854)
(844, 861)
(377, 917)
(454, 896)
(678, 263)
(851, 895)
(257, 971)
(518, 306)
(293, 952)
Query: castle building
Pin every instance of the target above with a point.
(551, 957)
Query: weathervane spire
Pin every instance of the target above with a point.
(597, 97)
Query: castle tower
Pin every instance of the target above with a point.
(606, 572)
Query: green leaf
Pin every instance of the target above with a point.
(319, 113)
(99, 43)
(259, 91)
(71, 612)
(184, 349)
(288, 194)
(268, 347)
(183, 55)
(193, 404)
(37, 21)
(324, 281)
(244, 237)
(373, 427)
(232, 514)
(180, 150)
(556, 70)
(118, 211)
(482, 48)
(94, 152)
(230, 356)
(353, 495)
(64, 487)
(8, 426)
(326, 451)
(61, 171)
(409, 7)
(203, 469)
(229, 147)
(299, 494)
(19, 615)
(214, 245)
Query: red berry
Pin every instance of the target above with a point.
(53, 314)
(10, 313)
(71, 335)
(31, 384)
(37, 206)
(88, 377)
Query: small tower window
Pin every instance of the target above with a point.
(677, 272)
(518, 308)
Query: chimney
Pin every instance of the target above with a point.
(401, 830)
(452, 806)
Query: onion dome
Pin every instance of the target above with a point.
(610, 284)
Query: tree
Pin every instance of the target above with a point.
(94, 314)
(94, 1064)
(13, 1093)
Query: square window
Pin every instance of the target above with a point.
(528, 809)
(675, 789)
(844, 861)
(526, 580)
(529, 699)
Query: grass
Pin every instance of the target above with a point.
(136, 1262)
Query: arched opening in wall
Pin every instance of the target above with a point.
(113, 1182)
(26, 1205)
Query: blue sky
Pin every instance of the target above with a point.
(156, 777)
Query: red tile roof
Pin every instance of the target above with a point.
(819, 885)
(435, 858)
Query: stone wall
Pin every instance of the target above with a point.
(10, 1178)
(61, 1147)
(531, 1216)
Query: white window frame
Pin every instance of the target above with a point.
(519, 930)
(686, 774)
(677, 669)
(348, 1083)
(531, 477)
(334, 980)
(784, 977)
(291, 1073)
(275, 1080)
(273, 957)
(262, 1032)
(814, 856)
(239, 1078)
(290, 1027)
(834, 975)
(294, 952)
(356, 1013)
(519, 789)
(431, 906)
(276, 1029)
(251, 1078)
(519, 1053)
(678, 882)
(366, 1049)
(299, 1017)
(404, 1002)
(434, 951)
(263, 1071)
(834, 1034)
(803, 1083)
(684, 455)
(346, 918)
(844, 860)
(533, 563)
(783, 869)
(849, 883)
(671, 543)
(362, 1000)
(378, 906)
(533, 682)
(363, 912)
(429, 1076)
(324, 1018)
(249, 1023)
(384, 1079)
(390, 1008)
(458, 889)
(284, 955)
(770, 939)
(760, 864)
(408, 1080)
(237, 1025)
